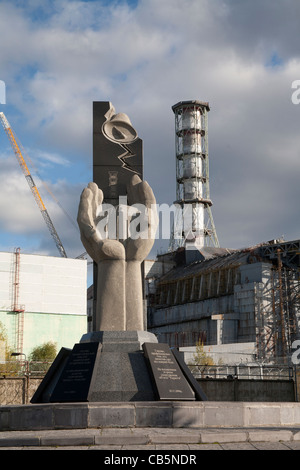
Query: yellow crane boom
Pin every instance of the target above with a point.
(13, 141)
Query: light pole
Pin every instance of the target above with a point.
(16, 354)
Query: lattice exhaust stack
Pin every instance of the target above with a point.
(193, 225)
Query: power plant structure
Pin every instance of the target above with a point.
(193, 225)
(220, 297)
(251, 295)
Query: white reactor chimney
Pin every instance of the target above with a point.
(192, 175)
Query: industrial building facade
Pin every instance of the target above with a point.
(228, 296)
(42, 299)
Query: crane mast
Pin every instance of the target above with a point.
(13, 141)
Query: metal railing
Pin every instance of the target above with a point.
(24, 368)
(257, 372)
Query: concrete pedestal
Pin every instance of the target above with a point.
(196, 414)
(127, 341)
(106, 366)
(122, 373)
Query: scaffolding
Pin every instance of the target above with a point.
(278, 303)
(16, 308)
(278, 313)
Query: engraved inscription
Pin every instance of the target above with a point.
(169, 379)
(76, 377)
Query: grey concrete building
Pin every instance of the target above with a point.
(219, 296)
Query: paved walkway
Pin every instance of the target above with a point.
(154, 439)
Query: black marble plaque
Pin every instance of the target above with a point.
(46, 387)
(75, 381)
(170, 382)
(200, 395)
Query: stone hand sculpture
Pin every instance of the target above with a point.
(119, 280)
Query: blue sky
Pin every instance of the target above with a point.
(57, 57)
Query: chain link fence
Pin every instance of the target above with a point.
(19, 380)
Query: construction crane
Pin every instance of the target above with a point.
(13, 140)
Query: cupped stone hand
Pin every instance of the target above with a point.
(119, 278)
(140, 193)
(98, 249)
(130, 249)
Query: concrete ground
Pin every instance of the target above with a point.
(186, 440)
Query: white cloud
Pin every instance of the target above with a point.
(20, 215)
(145, 60)
(52, 158)
(18, 210)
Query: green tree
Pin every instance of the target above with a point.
(45, 352)
(200, 357)
(201, 360)
(5, 350)
(8, 366)
(41, 357)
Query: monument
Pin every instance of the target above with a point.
(129, 378)
(119, 360)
